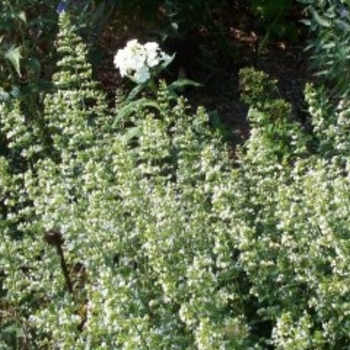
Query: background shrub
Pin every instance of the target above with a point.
(329, 22)
(27, 29)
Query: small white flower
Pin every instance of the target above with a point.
(136, 60)
(153, 54)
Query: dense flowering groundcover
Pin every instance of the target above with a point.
(160, 240)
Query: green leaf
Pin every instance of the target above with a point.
(40, 86)
(14, 56)
(22, 16)
(13, 329)
(35, 66)
(131, 133)
(98, 13)
(342, 25)
(183, 83)
(134, 92)
(134, 106)
(328, 46)
(9, 92)
(307, 22)
(321, 20)
(162, 66)
(179, 85)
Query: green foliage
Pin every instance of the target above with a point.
(270, 116)
(294, 227)
(272, 15)
(329, 20)
(159, 240)
(26, 26)
(274, 20)
(90, 16)
(137, 218)
(187, 15)
(181, 16)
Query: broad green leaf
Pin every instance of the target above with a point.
(14, 56)
(22, 16)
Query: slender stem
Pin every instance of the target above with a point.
(65, 269)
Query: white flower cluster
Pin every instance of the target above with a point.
(136, 60)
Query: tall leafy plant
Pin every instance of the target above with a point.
(274, 21)
(27, 28)
(329, 20)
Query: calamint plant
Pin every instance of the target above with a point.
(160, 240)
(108, 244)
(292, 220)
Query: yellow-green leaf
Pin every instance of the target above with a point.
(14, 56)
